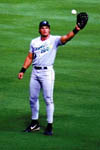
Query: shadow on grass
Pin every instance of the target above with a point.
(17, 121)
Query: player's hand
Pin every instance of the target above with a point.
(77, 27)
(20, 75)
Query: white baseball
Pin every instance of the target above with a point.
(74, 12)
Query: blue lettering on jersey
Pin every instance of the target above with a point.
(42, 48)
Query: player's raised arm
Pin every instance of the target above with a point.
(27, 63)
(70, 35)
(81, 22)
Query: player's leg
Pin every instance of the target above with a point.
(34, 94)
(48, 86)
(34, 104)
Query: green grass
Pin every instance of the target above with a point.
(77, 67)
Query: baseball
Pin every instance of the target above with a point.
(74, 12)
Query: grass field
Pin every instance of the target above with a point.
(77, 67)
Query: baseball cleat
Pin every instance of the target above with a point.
(48, 130)
(32, 127)
(48, 133)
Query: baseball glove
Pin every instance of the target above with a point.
(82, 19)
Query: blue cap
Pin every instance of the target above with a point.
(44, 23)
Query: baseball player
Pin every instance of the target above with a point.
(41, 55)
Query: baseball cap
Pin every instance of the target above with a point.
(44, 23)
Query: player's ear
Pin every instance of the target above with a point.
(39, 31)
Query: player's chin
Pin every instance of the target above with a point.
(44, 35)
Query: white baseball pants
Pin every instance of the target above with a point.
(42, 78)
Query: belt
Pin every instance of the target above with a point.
(39, 68)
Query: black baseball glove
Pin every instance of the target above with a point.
(82, 19)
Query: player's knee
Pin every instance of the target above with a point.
(48, 100)
(33, 100)
(49, 103)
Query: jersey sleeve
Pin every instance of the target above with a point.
(31, 50)
(58, 41)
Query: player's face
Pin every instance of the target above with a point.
(44, 31)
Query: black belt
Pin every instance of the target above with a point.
(39, 68)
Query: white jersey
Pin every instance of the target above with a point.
(44, 51)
